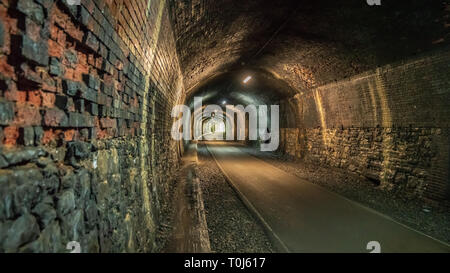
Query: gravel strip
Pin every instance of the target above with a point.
(232, 228)
(434, 222)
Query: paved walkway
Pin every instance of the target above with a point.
(305, 217)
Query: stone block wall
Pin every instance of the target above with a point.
(85, 98)
(390, 125)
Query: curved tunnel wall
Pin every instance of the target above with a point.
(86, 95)
(372, 83)
(390, 125)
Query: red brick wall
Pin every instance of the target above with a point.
(86, 90)
(81, 68)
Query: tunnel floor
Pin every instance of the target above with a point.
(264, 177)
(414, 213)
(232, 228)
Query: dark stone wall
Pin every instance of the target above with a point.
(85, 148)
(390, 125)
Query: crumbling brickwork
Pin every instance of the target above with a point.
(85, 98)
(390, 125)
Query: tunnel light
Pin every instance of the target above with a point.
(247, 79)
(223, 102)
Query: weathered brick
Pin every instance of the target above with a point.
(92, 108)
(71, 57)
(102, 99)
(55, 49)
(34, 98)
(91, 41)
(55, 118)
(11, 134)
(48, 99)
(28, 136)
(70, 135)
(34, 51)
(47, 4)
(80, 120)
(6, 112)
(27, 115)
(30, 80)
(89, 94)
(85, 17)
(2, 34)
(103, 111)
(38, 134)
(3, 162)
(55, 67)
(107, 123)
(91, 81)
(80, 105)
(70, 87)
(32, 10)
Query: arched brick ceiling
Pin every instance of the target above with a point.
(303, 42)
(263, 88)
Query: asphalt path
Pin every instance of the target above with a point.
(304, 217)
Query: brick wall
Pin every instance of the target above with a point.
(390, 125)
(85, 99)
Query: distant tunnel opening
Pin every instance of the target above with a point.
(239, 104)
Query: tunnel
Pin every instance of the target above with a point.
(343, 144)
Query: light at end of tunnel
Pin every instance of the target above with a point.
(224, 102)
(246, 80)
